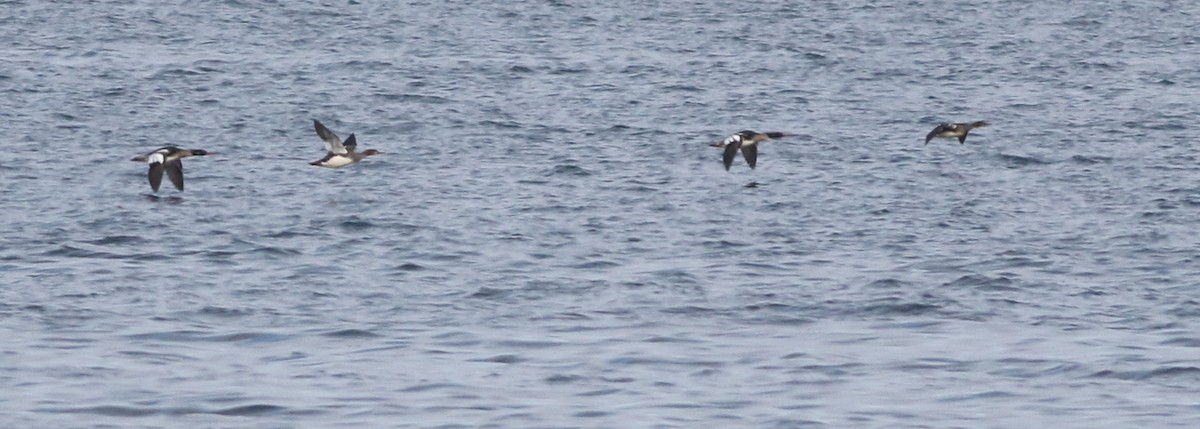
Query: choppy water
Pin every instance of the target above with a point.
(549, 241)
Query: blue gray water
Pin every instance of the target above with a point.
(549, 242)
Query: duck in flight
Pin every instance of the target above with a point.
(168, 159)
(340, 154)
(746, 141)
(959, 130)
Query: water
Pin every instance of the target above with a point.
(548, 241)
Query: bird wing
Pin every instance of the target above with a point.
(155, 159)
(175, 173)
(350, 143)
(750, 152)
(332, 142)
(963, 138)
(155, 176)
(936, 130)
(731, 150)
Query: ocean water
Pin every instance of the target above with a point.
(548, 241)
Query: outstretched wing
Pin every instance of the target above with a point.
(155, 159)
(350, 143)
(731, 150)
(175, 173)
(332, 142)
(937, 130)
(750, 152)
(156, 171)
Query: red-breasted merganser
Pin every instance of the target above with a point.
(168, 159)
(959, 130)
(340, 153)
(747, 141)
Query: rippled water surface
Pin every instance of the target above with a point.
(549, 241)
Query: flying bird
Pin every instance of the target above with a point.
(340, 154)
(959, 130)
(168, 159)
(747, 141)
